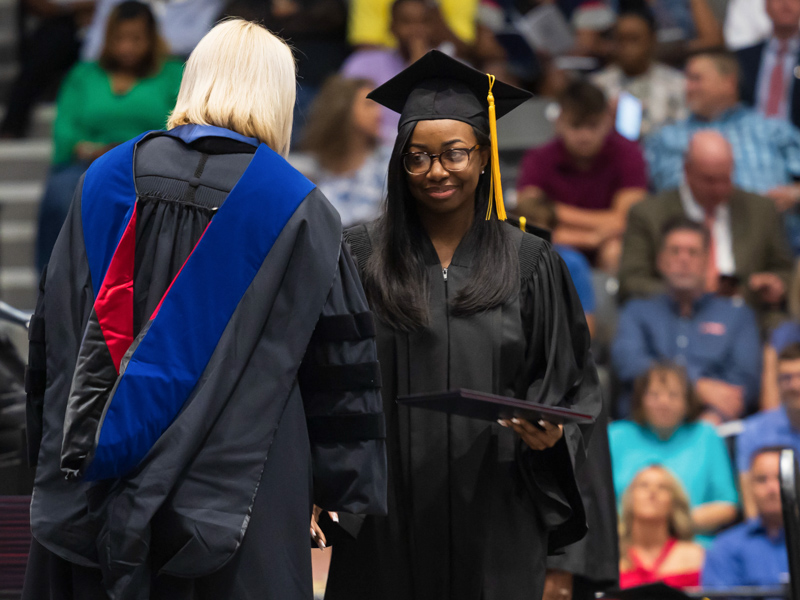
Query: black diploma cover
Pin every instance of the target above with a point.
(489, 407)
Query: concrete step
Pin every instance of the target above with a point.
(23, 169)
(42, 123)
(20, 192)
(22, 299)
(19, 255)
(19, 212)
(18, 278)
(18, 286)
(31, 148)
(17, 242)
(42, 126)
(14, 231)
(25, 160)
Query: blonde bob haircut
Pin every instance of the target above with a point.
(679, 521)
(240, 77)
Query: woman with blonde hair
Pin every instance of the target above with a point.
(655, 533)
(202, 355)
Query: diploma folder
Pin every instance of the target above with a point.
(489, 407)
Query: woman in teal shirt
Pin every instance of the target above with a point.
(130, 89)
(664, 430)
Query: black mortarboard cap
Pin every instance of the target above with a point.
(440, 87)
(651, 591)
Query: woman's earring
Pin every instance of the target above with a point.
(483, 171)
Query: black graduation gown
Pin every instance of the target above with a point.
(471, 511)
(594, 560)
(220, 506)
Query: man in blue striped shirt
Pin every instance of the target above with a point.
(766, 151)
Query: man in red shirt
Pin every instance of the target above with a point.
(592, 173)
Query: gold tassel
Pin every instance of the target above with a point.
(496, 187)
(523, 222)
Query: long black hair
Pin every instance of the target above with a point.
(396, 279)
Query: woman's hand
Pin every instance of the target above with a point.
(538, 436)
(557, 585)
(316, 532)
(88, 151)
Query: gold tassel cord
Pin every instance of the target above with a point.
(496, 187)
(523, 224)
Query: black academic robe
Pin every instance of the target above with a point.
(594, 560)
(220, 506)
(472, 511)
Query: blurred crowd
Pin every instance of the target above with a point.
(670, 183)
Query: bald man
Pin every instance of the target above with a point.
(748, 253)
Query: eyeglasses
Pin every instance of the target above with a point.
(454, 159)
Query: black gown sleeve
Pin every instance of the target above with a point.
(36, 377)
(559, 371)
(596, 557)
(340, 384)
(64, 285)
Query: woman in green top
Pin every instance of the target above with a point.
(130, 89)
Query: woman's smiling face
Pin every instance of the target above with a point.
(441, 191)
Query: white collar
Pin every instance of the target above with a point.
(720, 230)
(692, 207)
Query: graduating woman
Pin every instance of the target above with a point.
(202, 356)
(464, 300)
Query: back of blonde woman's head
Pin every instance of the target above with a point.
(241, 77)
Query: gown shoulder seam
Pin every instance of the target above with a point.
(531, 248)
(360, 244)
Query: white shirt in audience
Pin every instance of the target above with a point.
(662, 91)
(182, 24)
(723, 244)
(746, 23)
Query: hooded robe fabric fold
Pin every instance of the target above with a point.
(112, 421)
(243, 441)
